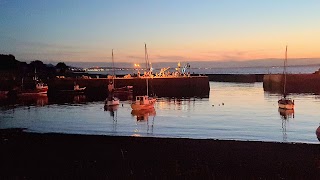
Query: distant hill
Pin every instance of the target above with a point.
(205, 64)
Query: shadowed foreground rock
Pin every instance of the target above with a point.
(58, 156)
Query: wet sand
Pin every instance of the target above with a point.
(61, 156)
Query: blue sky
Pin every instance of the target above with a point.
(174, 30)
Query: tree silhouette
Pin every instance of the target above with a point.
(8, 62)
(61, 67)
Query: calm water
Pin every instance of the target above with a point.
(233, 111)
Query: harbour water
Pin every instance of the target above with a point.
(233, 111)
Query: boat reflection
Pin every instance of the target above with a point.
(286, 113)
(78, 99)
(113, 114)
(111, 109)
(178, 103)
(68, 99)
(38, 100)
(143, 115)
(142, 119)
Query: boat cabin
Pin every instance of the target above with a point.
(142, 100)
(41, 85)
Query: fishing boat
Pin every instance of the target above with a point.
(76, 90)
(286, 113)
(144, 102)
(111, 99)
(285, 102)
(39, 89)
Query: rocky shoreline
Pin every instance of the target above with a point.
(63, 156)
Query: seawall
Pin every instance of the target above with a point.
(162, 87)
(241, 78)
(296, 83)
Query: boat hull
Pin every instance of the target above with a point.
(143, 102)
(111, 108)
(141, 107)
(137, 107)
(143, 112)
(112, 102)
(33, 92)
(286, 104)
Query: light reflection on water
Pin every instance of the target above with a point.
(233, 111)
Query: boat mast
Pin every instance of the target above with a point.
(35, 78)
(145, 57)
(113, 70)
(285, 73)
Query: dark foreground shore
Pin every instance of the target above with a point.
(59, 156)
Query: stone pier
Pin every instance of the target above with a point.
(195, 86)
(296, 83)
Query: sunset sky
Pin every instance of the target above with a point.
(174, 30)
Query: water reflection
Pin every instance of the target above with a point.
(113, 114)
(38, 100)
(178, 103)
(77, 99)
(186, 117)
(285, 115)
(111, 109)
(31, 100)
(69, 99)
(142, 117)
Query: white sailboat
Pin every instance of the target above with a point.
(111, 99)
(144, 102)
(284, 102)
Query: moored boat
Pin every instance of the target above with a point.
(286, 113)
(40, 89)
(111, 99)
(284, 102)
(144, 102)
(76, 90)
